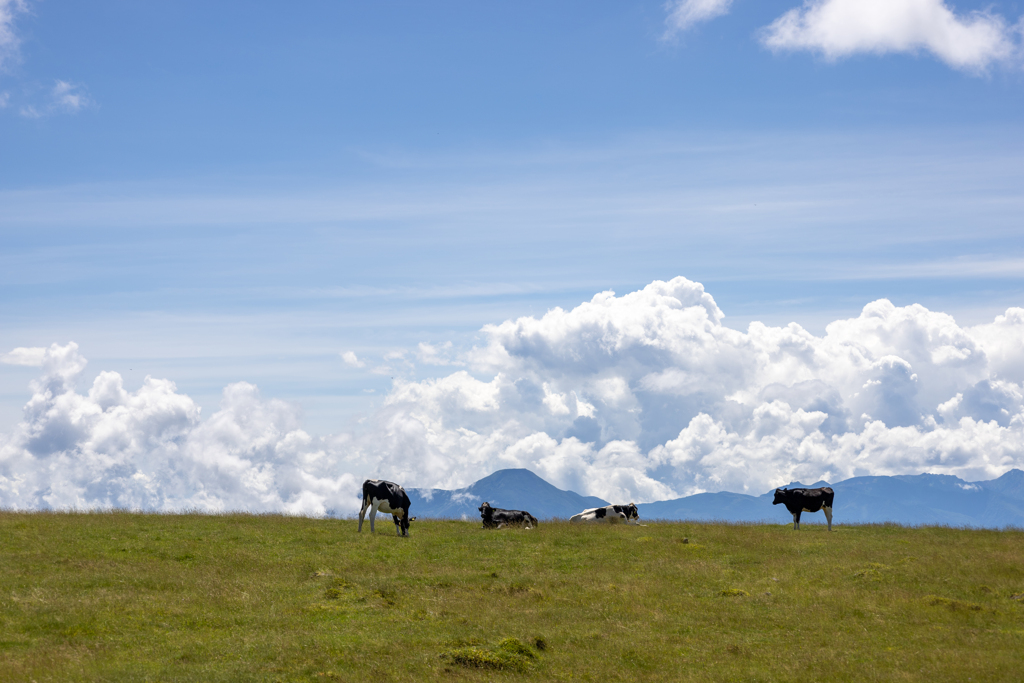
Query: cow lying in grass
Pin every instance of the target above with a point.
(496, 518)
(806, 500)
(389, 498)
(611, 514)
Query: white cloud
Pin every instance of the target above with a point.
(25, 356)
(436, 354)
(840, 28)
(350, 358)
(683, 14)
(65, 97)
(9, 40)
(68, 97)
(640, 397)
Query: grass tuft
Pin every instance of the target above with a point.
(733, 593)
(516, 647)
(954, 605)
(510, 654)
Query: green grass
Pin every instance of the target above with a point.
(133, 597)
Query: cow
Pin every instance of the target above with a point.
(496, 518)
(386, 497)
(806, 500)
(612, 514)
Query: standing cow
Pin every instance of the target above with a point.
(497, 518)
(806, 500)
(389, 498)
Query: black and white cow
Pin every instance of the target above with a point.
(389, 498)
(806, 500)
(612, 514)
(496, 518)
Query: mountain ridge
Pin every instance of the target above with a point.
(903, 499)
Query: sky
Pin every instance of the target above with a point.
(251, 255)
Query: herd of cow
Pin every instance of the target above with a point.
(390, 498)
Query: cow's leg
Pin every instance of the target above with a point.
(796, 520)
(373, 515)
(398, 524)
(362, 511)
(828, 516)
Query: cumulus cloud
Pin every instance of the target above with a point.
(840, 28)
(350, 358)
(33, 357)
(683, 14)
(645, 396)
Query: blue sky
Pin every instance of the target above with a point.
(213, 193)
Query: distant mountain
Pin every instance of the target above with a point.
(906, 499)
(724, 506)
(516, 489)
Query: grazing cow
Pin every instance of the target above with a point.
(496, 518)
(806, 500)
(612, 514)
(389, 498)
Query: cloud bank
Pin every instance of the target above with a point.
(645, 396)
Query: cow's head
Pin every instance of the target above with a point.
(780, 496)
(632, 512)
(486, 511)
(402, 521)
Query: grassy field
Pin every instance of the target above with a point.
(134, 597)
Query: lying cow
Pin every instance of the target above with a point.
(389, 498)
(612, 514)
(806, 500)
(496, 518)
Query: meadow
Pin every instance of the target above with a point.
(145, 597)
